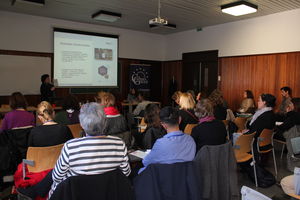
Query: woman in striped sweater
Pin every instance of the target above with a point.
(93, 154)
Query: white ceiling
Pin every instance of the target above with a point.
(186, 14)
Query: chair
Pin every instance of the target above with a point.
(242, 147)
(188, 128)
(250, 194)
(240, 122)
(265, 144)
(226, 122)
(110, 185)
(76, 130)
(283, 146)
(43, 157)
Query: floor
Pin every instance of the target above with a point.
(275, 192)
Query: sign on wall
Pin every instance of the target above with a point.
(140, 76)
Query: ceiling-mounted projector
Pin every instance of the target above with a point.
(158, 21)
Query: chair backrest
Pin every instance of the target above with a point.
(240, 122)
(44, 157)
(76, 130)
(226, 122)
(243, 144)
(188, 128)
(250, 194)
(265, 137)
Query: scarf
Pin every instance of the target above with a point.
(260, 112)
(206, 119)
(111, 111)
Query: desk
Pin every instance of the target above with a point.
(130, 105)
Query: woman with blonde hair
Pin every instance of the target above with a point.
(186, 110)
(49, 133)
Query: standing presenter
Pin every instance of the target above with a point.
(46, 89)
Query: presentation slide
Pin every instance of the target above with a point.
(85, 59)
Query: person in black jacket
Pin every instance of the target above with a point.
(50, 133)
(154, 129)
(292, 118)
(186, 111)
(46, 89)
(210, 131)
(264, 117)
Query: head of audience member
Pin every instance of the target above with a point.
(169, 118)
(45, 78)
(191, 92)
(17, 101)
(216, 97)
(295, 104)
(176, 96)
(141, 96)
(45, 112)
(99, 97)
(248, 94)
(286, 91)
(204, 108)
(266, 100)
(108, 100)
(152, 115)
(132, 91)
(70, 103)
(92, 119)
(186, 101)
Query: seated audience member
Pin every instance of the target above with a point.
(18, 117)
(292, 118)
(91, 155)
(209, 131)
(286, 93)
(154, 129)
(99, 97)
(139, 110)
(173, 147)
(115, 122)
(247, 105)
(131, 97)
(70, 112)
(264, 117)
(186, 111)
(49, 133)
(220, 110)
(176, 98)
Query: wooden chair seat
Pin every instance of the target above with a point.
(44, 157)
(76, 130)
(243, 157)
(188, 128)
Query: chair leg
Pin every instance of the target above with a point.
(282, 150)
(255, 176)
(275, 165)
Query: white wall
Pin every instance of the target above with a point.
(274, 33)
(32, 33)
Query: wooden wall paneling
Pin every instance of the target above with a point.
(170, 69)
(259, 73)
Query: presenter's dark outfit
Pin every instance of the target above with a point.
(46, 93)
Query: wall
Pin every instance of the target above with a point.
(260, 74)
(268, 34)
(32, 33)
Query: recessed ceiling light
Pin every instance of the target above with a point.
(239, 8)
(106, 16)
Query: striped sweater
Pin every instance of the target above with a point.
(89, 156)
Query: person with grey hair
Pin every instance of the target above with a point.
(94, 154)
(209, 131)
